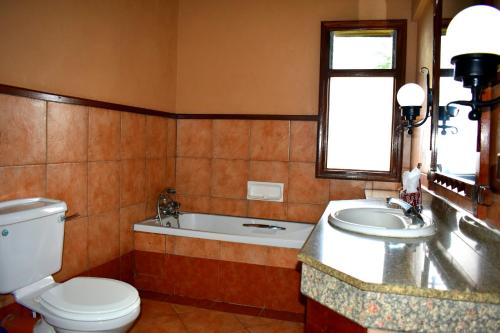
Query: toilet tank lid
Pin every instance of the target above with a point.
(14, 211)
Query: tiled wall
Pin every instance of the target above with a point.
(216, 158)
(107, 165)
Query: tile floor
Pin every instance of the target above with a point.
(163, 317)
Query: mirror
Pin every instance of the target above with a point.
(456, 140)
(457, 137)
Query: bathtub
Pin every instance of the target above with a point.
(232, 229)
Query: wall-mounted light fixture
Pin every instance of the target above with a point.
(410, 98)
(445, 113)
(475, 47)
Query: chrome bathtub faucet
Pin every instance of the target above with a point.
(408, 210)
(167, 206)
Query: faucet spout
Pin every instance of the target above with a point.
(408, 210)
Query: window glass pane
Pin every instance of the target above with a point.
(365, 49)
(360, 129)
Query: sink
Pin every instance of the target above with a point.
(386, 222)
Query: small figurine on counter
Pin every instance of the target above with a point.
(412, 189)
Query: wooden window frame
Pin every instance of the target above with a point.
(394, 173)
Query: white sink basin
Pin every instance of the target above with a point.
(385, 222)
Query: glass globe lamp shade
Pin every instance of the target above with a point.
(475, 30)
(410, 94)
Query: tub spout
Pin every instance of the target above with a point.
(167, 206)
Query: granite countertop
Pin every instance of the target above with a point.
(459, 262)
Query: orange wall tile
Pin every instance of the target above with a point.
(103, 186)
(133, 136)
(67, 130)
(75, 258)
(197, 247)
(194, 138)
(23, 128)
(269, 140)
(23, 181)
(104, 134)
(229, 178)
(148, 242)
(68, 182)
(231, 139)
(245, 253)
(104, 238)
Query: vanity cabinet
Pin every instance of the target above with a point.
(320, 319)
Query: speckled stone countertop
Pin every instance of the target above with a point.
(450, 272)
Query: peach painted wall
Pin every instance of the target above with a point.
(108, 166)
(262, 57)
(121, 51)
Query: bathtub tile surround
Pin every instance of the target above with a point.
(253, 275)
(213, 249)
(107, 165)
(216, 158)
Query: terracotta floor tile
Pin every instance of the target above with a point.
(207, 321)
(280, 327)
(153, 308)
(160, 324)
(253, 321)
(161, 314)
(180, 308)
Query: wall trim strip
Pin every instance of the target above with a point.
(49, 97)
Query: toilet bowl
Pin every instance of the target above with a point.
(82, 304)
(31, 247)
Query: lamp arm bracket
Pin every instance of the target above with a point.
(420, 123)
(479, 104)
(466, 103)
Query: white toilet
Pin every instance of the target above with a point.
(31, 247)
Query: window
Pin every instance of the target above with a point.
(361, 68)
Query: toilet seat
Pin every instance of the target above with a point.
(90, 299)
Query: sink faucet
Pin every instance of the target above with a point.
(167, 206)
(408, 210)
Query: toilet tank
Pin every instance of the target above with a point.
(31, 241)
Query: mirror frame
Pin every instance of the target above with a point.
(475, 196)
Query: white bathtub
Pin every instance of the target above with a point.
(231, 229)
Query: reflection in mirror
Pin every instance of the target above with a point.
(457, 135)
